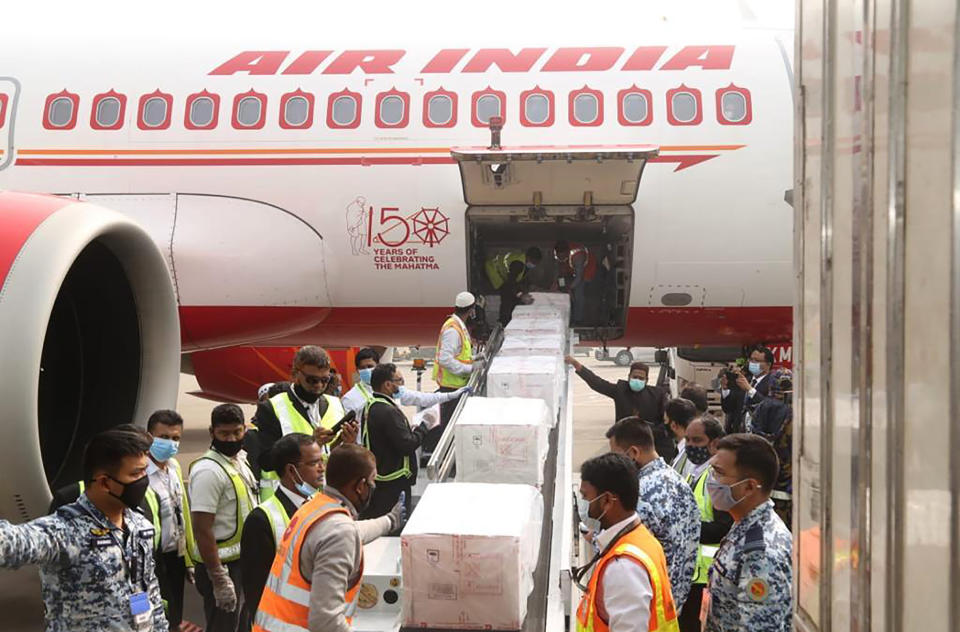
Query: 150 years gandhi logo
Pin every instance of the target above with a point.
(395, 238)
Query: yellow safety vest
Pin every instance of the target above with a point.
(705, 552)
(442, 376)
(276, 516)
(404, 471)
(229, 549)
(498, 267)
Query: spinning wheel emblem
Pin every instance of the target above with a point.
(430, 226)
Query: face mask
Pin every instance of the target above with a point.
(133, 493)
(303, 487)
(399, 392)
(364, 375)
(637, 385)
(722, 495)
(305, 395)
(583, 508)
(164, 449)
(227, 448)
(365, 502)
(698, 454)
(531, 265)
(755, 368)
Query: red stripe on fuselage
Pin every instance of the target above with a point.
(20, 214)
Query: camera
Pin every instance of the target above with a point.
(731, 376)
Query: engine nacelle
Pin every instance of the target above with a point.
(89, 335)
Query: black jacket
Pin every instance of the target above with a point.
(391, 438)
(648, 405)
(738, 424)
(268, 430)
(257, 550)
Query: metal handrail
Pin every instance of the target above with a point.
(442, 459)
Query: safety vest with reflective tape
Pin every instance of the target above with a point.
(641, 547)
(404, 471)
(292, 421)
(228, 550)
(285, 604)
(276, 516)
(498, 267)
(706, 552)
(590, 262)
(442, 376)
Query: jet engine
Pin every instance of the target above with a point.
(89, 337)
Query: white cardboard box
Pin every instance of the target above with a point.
(469, 552)
(537, 325)
(522, 344)
(502, 440)
(538, 376)
(559, 300)
(538, 311)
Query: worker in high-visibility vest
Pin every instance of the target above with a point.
(302, 407)
(454, 361)
(629, 587)
(316, 576)
(222, 494)
(497, 267)
(577, 267)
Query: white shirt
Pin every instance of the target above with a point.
(211, 491)
(355, 401)
(627, 591)
(753, 386)
(450, 346)
(697, 470)
(681, 452)
(313, 410)
(166, 485)
(293, 497)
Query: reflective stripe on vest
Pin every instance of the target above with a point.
(705, 552)
(442, 376)
(229, 550)
(290, 421)
(404, 471)
(285, 604)
(589, 263)
(154, 504)
(498, 267)
(187, 519)
(636, 545)
(276, 516)
(335, 413)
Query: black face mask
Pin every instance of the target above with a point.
(365, 502)
(133, 493)
(305, 395)
(698, 454)
(227, 448)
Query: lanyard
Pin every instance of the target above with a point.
(135, 568)
(579, 572)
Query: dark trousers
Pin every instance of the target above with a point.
(432, 438)
(221, 620)
(171, 573)
(385, 496)
(689, 619)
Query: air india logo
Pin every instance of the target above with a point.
(396, 239)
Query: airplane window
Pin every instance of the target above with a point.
(440, 109)
(248, 111)
(734, 106)
(585, 108)
(536, 108)
(391, 110)
(488, 105)
(108, 112)
(154, 112)
(61, 112)
(296, 111)
(344, 110)
(684, 107)
(635, 107)
(201, 112)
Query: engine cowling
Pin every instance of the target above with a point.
(89, 335)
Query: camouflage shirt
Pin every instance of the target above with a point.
(668, 509)
(751, 576)
(85, 582)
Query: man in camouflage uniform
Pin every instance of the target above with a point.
(751, 574)
(96, 554)
(666, 505)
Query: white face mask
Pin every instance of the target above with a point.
(583, 508)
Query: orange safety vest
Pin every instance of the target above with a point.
(285, 604)
(640, 546)
(589, 266)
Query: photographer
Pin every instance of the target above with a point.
(748, 389)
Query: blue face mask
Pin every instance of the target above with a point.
(164, 449)
(637, 385)
(305, 489)
(364, 375)
(755, 368)
(400, 391)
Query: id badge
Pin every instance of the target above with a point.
(142, 611)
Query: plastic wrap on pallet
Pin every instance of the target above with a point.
(537, 325)
(468, 556)
(536, 376)
(502, 440)
(520, 343)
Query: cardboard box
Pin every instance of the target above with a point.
(539, 377)
(502, 440)
(522, 344)
(537, 325)
(469, 552)
(559, 300)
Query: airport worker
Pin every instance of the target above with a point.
(96, 554)
(629, 588)
(263, 393)
(577, 269)
(666, 505)
(316, 575)
(511, 292)
(702, 437)
(170, 505)
(455, 361)
(297, 458)
(677, 413)
(304, 408)
(222, 494)
(387, 433)
(498, 266)
(751, 576)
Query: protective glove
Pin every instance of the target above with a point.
(191, 575)
(223, 591)
(398, 515)
(465, 390)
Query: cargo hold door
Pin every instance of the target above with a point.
(533, 197)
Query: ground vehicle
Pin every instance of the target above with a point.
(624, 356)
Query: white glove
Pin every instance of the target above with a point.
(398, 515)
(429, 417)
(223, 591)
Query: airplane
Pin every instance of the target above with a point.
(248, 188)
